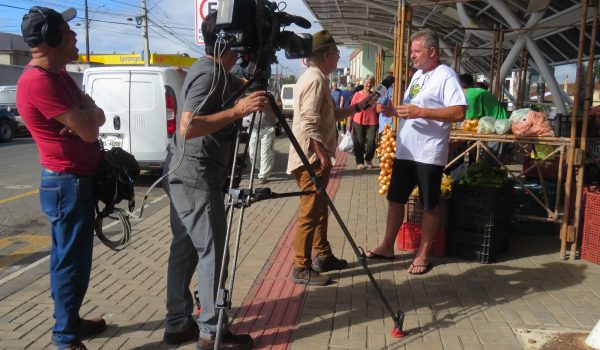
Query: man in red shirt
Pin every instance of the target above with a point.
(64, 124)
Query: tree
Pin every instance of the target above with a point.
(290, 79)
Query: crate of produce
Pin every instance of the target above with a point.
(409, 239)
(590, 245)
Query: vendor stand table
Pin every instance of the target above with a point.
(554, 211)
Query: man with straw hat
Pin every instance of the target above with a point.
(314, 128)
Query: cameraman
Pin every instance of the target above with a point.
(195, 189)
(64, 124)
(314, 126)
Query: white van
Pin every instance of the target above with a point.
(287, 100)
(140, 105)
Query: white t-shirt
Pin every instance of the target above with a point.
(426, 140)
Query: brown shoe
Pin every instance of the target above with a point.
(329, 263)
(92, 327)
(228, 341)
(309, 277)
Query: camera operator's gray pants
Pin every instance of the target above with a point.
(199, 225)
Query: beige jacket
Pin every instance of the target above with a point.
(314, 117)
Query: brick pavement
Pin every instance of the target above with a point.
(459, 305)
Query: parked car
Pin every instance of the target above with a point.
(140, 105)
(287, 100)
(8, 125)
(8, 112)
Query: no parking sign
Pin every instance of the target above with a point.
(202, 9)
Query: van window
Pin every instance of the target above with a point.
(288, 93)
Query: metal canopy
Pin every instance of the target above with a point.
(556, 33)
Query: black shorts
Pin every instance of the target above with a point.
(406, 174)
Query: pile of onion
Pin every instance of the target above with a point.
(386, 153)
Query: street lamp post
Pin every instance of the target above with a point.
(87, 33)
(146, 41)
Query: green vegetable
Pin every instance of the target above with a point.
(482, 174)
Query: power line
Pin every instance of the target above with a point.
(14, 7)
(157, 3)
(124, 3)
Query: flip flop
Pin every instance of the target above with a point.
(427, 267)
(378, 256)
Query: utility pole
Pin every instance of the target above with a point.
(146, 42)
(87, 33)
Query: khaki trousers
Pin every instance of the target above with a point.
(311, 227)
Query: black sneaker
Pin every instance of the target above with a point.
(190, 333)
(228, 341)
(329, 263)
(91, 327)
(308, 276)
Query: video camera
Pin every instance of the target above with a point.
(253, 28)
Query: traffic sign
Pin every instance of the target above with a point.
(202, 9)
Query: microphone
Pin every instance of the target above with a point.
(382, 88)
(287, 19)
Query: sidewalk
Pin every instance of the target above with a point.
(459, 305)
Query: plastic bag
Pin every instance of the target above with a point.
(519, 115)
(535, 124)
(346, 144)
(486, 125)
(502, 126)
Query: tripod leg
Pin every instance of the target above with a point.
(360, 254)
(224, 295)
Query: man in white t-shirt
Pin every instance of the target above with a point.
(432, 102)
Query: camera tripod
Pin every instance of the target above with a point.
(243, 198)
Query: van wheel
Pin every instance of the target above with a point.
(6, 131)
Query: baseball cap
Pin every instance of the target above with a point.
(34, 21)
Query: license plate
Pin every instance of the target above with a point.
(111, 141)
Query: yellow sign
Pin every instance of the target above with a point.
(136, 59)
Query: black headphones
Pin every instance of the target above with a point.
(50, 32)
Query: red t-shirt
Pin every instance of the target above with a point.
(367, 116)
(42, 96)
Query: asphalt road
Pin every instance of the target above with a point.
(24, 229)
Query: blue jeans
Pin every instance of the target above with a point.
(68, 201)
(199, 225)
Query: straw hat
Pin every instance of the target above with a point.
(321, 39)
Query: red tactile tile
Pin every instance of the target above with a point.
(272, 309)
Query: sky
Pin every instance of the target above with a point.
(171, 26)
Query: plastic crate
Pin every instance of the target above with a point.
(409, 238)
(413, 211)
(590, 246)
(479, 220)
(482, 253)
(482, 200)
(479, 234)
(526, 205)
